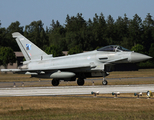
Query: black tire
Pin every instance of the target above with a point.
(80, 81)
(104, 82)
(55, 82)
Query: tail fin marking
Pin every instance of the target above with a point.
(23, 50)
(29, 50)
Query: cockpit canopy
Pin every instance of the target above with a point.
(113, 48)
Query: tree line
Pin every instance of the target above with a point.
(78, 35)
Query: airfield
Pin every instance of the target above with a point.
(123, 82)
(22, 97)
(74, 90)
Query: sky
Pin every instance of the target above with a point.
(27, 11)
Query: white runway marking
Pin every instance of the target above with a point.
(73, 90)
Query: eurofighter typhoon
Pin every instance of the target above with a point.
(69, 68)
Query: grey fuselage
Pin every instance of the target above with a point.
(94, 57)
(88, 62)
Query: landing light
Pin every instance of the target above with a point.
(138, 94)
(95, 93)
(115, 93)
(149, 94)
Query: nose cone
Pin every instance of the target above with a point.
(137, 57)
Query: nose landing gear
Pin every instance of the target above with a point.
(104, 82)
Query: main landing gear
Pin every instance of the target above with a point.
(55, 82)
(80, 81)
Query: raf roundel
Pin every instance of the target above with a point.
(28, 46)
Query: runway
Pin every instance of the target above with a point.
(74, 90)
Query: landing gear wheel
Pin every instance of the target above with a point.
(80, 81)
(55, 82)
(104, 82)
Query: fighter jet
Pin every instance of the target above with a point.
(69, 68)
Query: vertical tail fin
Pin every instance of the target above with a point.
(29, 50)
